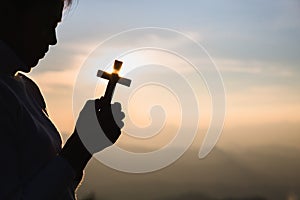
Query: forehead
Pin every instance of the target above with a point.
(48, 9)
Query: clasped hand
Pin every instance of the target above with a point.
(99, 125)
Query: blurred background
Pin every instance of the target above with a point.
(254, 43)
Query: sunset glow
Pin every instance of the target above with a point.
(255, 46)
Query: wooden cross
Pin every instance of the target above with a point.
(113, 79)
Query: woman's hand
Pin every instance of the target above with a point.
(110, 119)
(99, 125)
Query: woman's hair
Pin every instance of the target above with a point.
(68, 3)
(9, 10)
(24, 4)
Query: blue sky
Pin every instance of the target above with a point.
(230, 28)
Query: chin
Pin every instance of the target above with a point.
(25, 69)
(28, 66)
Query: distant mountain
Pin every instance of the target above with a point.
(270, 172)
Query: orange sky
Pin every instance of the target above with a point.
(253, 47)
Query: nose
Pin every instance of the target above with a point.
(53, 38)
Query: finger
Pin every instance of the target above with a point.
(116, 106)
(120, 124)
(118, 117)
(116, 109)
(122, 115)
(118, 114)
(98, 103)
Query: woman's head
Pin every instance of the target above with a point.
(28, 27)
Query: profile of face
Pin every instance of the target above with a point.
(36, 32)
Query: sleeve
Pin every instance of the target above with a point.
(49, 183)
(33, 89)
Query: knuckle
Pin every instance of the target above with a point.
(121, 124)
(117, 105)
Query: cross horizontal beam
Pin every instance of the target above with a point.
(108, 76)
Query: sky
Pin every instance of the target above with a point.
(254, 44)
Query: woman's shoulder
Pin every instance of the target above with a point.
(14, 90)
(7, 93)
(33, 90)
(9, 103)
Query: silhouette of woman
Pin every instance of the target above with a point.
(34, 164)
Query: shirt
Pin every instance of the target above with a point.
(29, 143)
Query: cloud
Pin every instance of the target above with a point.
(255, 67)
(52, 81)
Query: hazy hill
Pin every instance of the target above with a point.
(262, 172)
